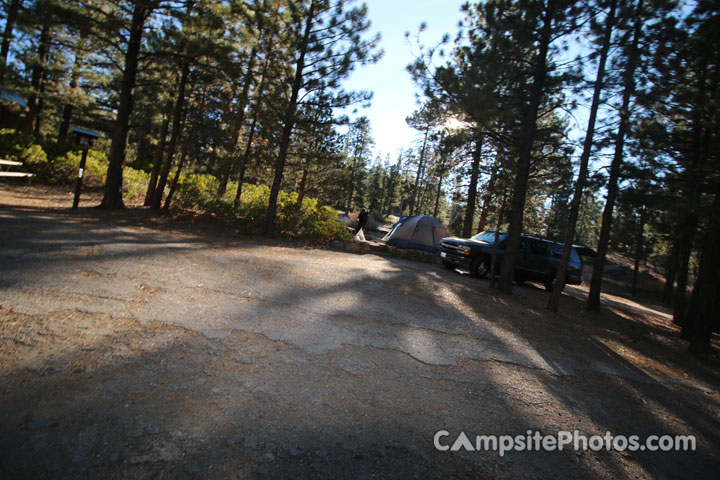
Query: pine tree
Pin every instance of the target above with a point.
(112, 199)
(358, 147)
(548, 21)
(328, 45)
(703, 315)
(681, 125)
(569, 235)
(11, 13)
(632, 57)
(423, 120)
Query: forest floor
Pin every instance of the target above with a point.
(133, 346)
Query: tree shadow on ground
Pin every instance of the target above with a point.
(336, 371)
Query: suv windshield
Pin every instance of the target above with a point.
(489, 237)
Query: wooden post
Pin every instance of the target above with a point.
(78, 182)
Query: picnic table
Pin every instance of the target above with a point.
(6, 165)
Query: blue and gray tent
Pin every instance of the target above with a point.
(419, 232)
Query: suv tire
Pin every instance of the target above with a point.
(480, 267)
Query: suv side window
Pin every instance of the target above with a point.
(523, 245)
(538, 248)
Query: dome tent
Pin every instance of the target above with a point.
(419, 232)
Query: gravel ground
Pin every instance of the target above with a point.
(133, 346)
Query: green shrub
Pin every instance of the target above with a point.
(55, 163)
(64, 168)
(33, 156)
(58, 163)
(17, 147)
(12, 143)
(220, 208)
(289, 213)
(252, 210)
(135, 184)
(321, 224)
(230, 192)
(195, 190)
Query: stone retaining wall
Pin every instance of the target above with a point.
(378, 248)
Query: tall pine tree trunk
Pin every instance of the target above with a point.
(487, 196)
(394, 173)
(303, 182)
(114, 178)
(496, 241)
(351, 185)
(176, 178)
(177, 125)
(472, 188)
(701, 141)
(612, 185)
(12, 13)
(158, 156)
(143, 145)
(680, 297)
(251, 132)
(37, 80)
(289, 123)
(522, 175)
(639, 248)
(704, 310)
(38, 115)
(421, 164)
(687, 229)
(554, 301)
(438, 191)
(671, 271)
(237, 125)
(68, 107)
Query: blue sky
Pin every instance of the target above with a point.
(394, 92)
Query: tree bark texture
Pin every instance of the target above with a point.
(612, 185)
(116, 160)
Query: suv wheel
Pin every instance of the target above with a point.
(480, 267)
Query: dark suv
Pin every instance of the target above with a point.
(538, 259)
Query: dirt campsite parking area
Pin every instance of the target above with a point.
(133, 346)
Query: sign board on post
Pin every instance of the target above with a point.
(84, 138)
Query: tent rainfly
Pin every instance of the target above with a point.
(419, 232)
